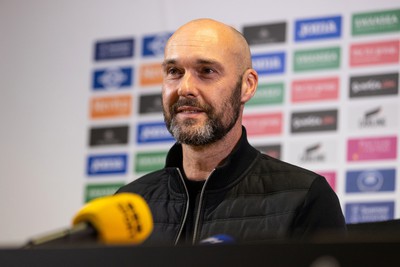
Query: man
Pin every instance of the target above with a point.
(214, 182)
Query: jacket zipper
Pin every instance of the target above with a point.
(196, 224)
(187, 207)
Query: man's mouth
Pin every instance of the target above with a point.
(188, 109)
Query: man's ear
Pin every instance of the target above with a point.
(249, 85)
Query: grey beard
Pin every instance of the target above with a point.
(212, 131)
(214, 128)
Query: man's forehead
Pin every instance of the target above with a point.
(203, 42)
(194, 42)
(200, 51)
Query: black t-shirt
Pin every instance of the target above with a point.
(194, 190)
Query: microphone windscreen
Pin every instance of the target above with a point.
(123, 218)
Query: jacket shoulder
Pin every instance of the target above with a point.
(278, 175)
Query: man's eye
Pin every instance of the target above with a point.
(172, 71)
(208, 71)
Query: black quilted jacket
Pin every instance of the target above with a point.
(252, 198)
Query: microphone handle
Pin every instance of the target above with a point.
(80, 232)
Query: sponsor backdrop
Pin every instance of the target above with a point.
(307, 110)
(327, 100)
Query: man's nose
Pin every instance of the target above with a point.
(187, 86)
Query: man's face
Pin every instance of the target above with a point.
(201, 89)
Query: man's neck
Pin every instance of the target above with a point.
(200, 161)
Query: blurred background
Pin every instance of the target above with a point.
(80, 106)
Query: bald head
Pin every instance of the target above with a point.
(207, 79)
(213, 35)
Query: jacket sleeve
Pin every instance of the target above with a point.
(320, 213)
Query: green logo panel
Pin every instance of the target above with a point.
(317, 59)
(93, 191)
(150, 161)
(376, 22)
(267, 94)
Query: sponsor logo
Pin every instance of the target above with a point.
(374, 53)
(274, 151)
(110, 107)
(379, 148)
(114, 49)
(374, 85)
(112, 78)
(109, 136)
(267, 94)
(150, 161)
(153, 132)
(369, 212)
(369, 117)
(314, 121)
(330, 178)
(315, 90)
(273, 63)
(318, 28)
(317, 59)
(315, 152)
(150, 104)
(263, 124)
(150, 74)
(265, 34)
(370, 181)
(107, 164)
(93, 191)
(154, 45)
(376, 22)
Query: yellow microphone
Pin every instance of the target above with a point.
(123, 218)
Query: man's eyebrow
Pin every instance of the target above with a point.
(197, 62)
(207, 62)
(168, 62)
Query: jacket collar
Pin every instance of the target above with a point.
(235, 166)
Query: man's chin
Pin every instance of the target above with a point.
(188, 123)
(191, 129)
(190, 132)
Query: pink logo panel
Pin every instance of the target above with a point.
(372, 148)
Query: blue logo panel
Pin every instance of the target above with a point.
(369, 212)
(114, 49)
(273, 63)
(318, 28)
(107, 164)
(370, 181)
(112, 78)
(153, 132)
(154, 45)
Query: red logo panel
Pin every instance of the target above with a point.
(263, 124)
(315, 90)
(374, 53)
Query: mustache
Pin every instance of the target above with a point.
(191, 102)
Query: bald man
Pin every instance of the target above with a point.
(214, 182)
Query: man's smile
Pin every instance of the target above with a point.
(189, 109)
